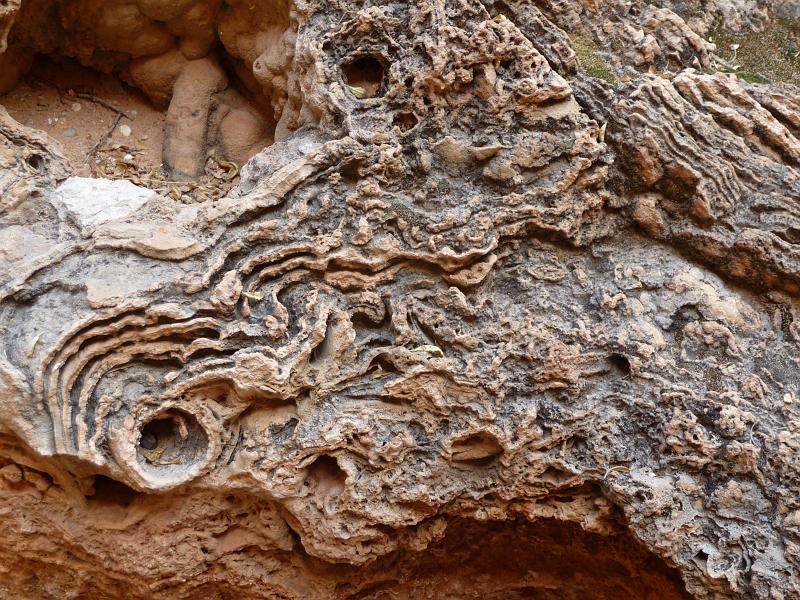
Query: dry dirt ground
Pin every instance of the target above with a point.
(76, 105)
(106, 128)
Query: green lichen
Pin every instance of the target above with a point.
(751, 77)
(761, 57)
(588, 53)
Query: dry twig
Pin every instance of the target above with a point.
(101, 102)
(104, 137)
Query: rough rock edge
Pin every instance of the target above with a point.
(490, 293)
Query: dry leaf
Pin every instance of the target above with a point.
(429, 349)
(358, 92)
(29, 350)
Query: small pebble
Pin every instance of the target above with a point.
(128, 158)
(39, 481)
(11, 473)
(76, 106)
(125, 130)
(69, 132)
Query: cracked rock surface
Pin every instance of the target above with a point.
(508, 310)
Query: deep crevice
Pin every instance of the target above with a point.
(108, 491)
(547, 559)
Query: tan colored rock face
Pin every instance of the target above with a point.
(496, 316)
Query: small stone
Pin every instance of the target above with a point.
(128, 158)
(76, 106)
(11, 473)
(125, 130)
(70, 132)
(96, 201)
(40, 481)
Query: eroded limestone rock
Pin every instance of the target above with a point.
(476, 315)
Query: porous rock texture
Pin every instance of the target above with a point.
(478, 324)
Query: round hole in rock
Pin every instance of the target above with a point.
(405, 121)
(35, 162)
(325, 476)
(620, 363)
(171, 439)
(365, 76)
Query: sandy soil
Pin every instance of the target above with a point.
(72, 104)
(78, 107)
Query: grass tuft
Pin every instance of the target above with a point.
(765, 56)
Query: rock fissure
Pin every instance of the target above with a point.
(438, 298)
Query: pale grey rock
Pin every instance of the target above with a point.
(96, 201)
(491, 326)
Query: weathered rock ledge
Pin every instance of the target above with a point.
(506, 309)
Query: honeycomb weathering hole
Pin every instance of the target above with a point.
(478, 450)
(325, 476)
(365, 74)
(621, 363)
(171, 440)
(406, 121)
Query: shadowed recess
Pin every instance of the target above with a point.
(518, 560)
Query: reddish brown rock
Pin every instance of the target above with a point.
(507, 310)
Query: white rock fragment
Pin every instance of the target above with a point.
(96, 201)
(125, 130)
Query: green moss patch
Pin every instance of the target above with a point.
(588, 53)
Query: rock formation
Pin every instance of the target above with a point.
(507, 310)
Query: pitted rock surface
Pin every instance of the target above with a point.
(479, 324)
